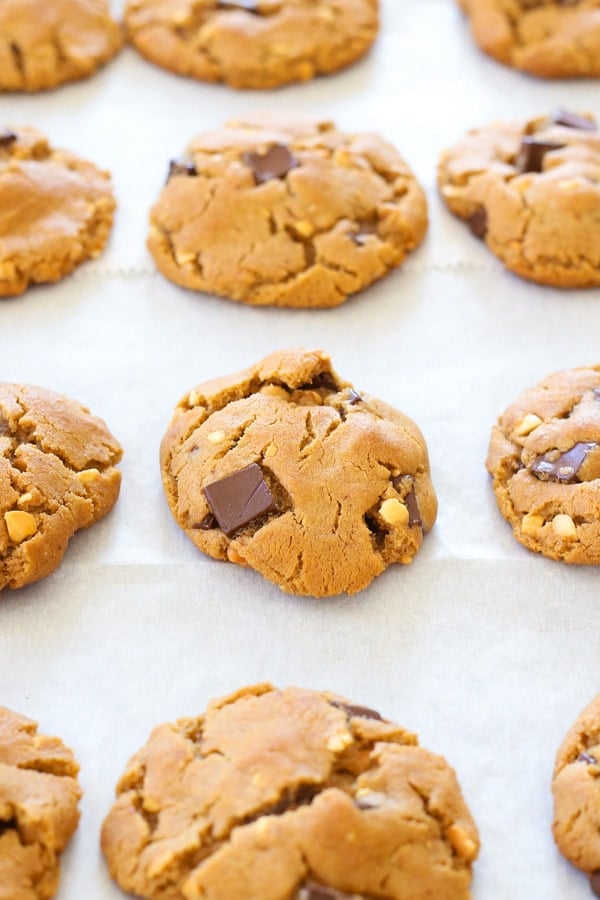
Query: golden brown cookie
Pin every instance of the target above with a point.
(576, 790)
(57, 475)
(286, 212)
(44, 44)
(548, 38)
(531, 191)
(286, 468)
(544, 456)
(252, 43)
(56, 210)
(39, 794)
(289, 795)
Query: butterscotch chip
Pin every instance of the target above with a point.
(270, 216)
(57, 475)
(547, 481)
(301, 487)
(576, 791)
(56, 211)
(44, 44)
(547, 38)
(531, 191)
(252, 43)
(289, 794)
(39, 794)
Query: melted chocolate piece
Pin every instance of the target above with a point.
(362, 712)
(478, 223)
(595, 883)
(321, 892)
(207, 523)
(573, 120)
(181, 167)
(354, 397)
(239, 499)
(7, 138)
(532, 153)
(565, 467)
(414, 513)
(275, 163)
(588, 759)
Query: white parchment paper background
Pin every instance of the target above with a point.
(486, 650)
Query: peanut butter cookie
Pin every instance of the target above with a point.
(56, 210)
(286, 212)
(39, 794)
(544, 456)
(57, 475)
(531, 191)
(44, 44)
(576, 790)
(547, 38)
(252, 43)
(289, 795)
(286, 468)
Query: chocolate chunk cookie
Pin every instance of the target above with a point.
(44, 44)
(576, 789)
(289, 795)
(56, 210)
(548, 38)
(57, 475)
(252, 43)
(531, 191)
(286, 212)
(286, 468)
(39, 794)
(544, 456)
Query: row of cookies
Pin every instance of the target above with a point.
(268, 796)
(269, 43)
(288, 469)
(286, 211)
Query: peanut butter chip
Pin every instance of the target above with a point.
(564, 526)
(394, 512)
(88, 475)
(20, 525)
(531, 524)
(461, 842)
(528, 424)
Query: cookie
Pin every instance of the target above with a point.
(56, 210)
(286, 468)
(547, 38)
(544, 456)
(271, 793)
(286, 212)
(39, 794)
(531, 191)
(576, 790)
(57, 475)
(252, 43)
(44, 44)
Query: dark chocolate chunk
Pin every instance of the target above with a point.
(532, 153)
(414, 513)
(7, 137)
(595, 883)
(588, 759)
(563, 468)
(248, 5)
(321, 892)
(360, 711)
(323, 380)
(207, 523)
(478, 223)
(354, 397)
(240, 498)
(573, 120)
(275, 163)
(181, 167)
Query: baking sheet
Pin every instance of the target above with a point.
(486, 650)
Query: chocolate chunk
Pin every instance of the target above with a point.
(532, 153)
(7, 137)
(588, 759)
(323, 380)
(478, 223)
(354, 397)
(248, 5)
(240, 498)
(275, 163)
(573, 120)
(207, 523)
(595, 883)
(181, 167)
(362, 712)
(563, 468)
(321, 892)
(414, 513)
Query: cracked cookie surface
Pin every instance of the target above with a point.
(270, 794)
(57, 475)
(56, 210)
(547, 38)
(44, 44)
(531, 191)
(576, 790)
(39, 794)
(247, 44)
(286, 211)
(544, 456)
(286, 468)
